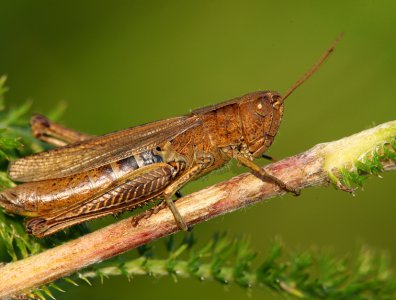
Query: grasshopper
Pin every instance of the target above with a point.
(86, 177)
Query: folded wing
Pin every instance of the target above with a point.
(98, 151)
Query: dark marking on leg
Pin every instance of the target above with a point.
(178, 194)
(269, 157)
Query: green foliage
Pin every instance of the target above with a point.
(370, 164)
(15, 137)
(17, 243)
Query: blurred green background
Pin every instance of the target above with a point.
(122, 63)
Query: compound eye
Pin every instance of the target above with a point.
(276, 101)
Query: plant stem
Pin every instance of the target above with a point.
(311, 168)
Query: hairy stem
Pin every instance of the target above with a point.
(320, 165)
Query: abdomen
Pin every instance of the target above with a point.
(39, 197)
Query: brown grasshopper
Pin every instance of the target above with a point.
(88, 177)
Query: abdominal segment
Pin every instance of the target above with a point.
(41, 197)
(145, 184)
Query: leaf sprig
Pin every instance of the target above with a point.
(369, 164)
(305, 274)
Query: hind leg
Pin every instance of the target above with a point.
(55, 134)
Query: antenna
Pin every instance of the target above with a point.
(315, 67)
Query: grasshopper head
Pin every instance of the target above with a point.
(260, 114)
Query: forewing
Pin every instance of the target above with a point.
(98, 151)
